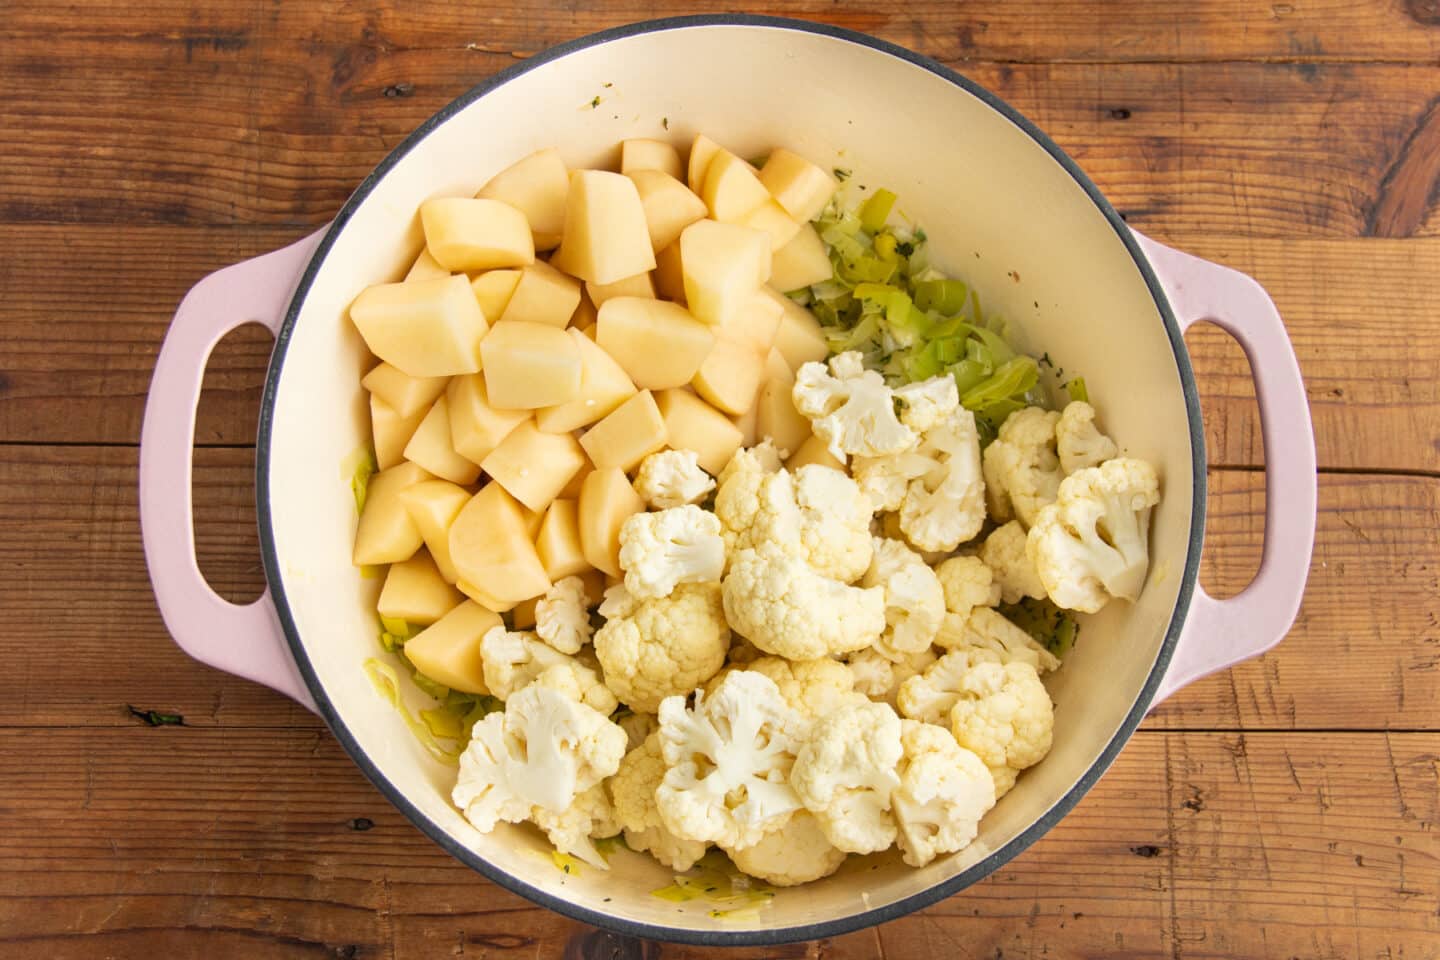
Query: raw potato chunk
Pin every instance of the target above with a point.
(732, 190)
(405, 394)
(755, 325)
(668, 276)
(391, 432)
(448, 651)
(605, 234)
(432, 448)
(425, 328)
(493, 552)
(659, 344)
(799, 339)
(606, 501)
(415, 592)
(702, 151)
(385, 533)
(800, 262)
(533, 519)
(748, 423)
(572, 489)
(800, 186)
(692, 424)
(433, 505)
(530, 365)
(426, 267)
(604, 385)
(536, 186)
(669, 205)
(630, 434)
(639, 285)
(493, 290)
(776, 416)
(485, 598)
(729, 379)
(466, 234)
(558, 542)
(723, 264)
(534, 467)
(813, 450)
(650, 155)
(476, 427)
(585, 314)
(771, 219)
(543, 295)
(522, 616)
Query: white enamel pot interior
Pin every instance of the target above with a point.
(1005, 210)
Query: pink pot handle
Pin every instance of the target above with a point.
(244, 640)
(1220, 633)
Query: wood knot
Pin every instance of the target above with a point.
(1424, 11)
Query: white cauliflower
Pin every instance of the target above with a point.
(944, 790)
(988, 637)
(1022, 469)
(580, 683)
(834, 522)
(929, 696)
(1078, 441)
(672, 478)
(1004, 552)
(880, 678)
(1004, 778)
(945, 506)
(729, 760)
(756, 504)
(1093, 543)
(850, 408)
(885, 480)
(774, 599)
(653, 649)
(968, 582)
(927, 403)
(1004, 715)
(813, 687)
(790, 855)
(562, 616)
(674, 546)
(914, 599)
(633, 790)
(571, 830)
(511, 659)
(759, 459)
(844, 774)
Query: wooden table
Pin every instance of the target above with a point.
(1287, 808)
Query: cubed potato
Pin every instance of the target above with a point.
(692, 424)
(800, 186)
(628, 435)
(493, 290)
(522, 616)
(465, 234)
(585, 313)
(755, 325)
(405, 394)
(668, 276)
(493, 552)
(771, 219)
(606, 238)
(533, 466)
(385, 533)
(723, 264)
(669, 205)
(415, 591)
(558, 542)
(776, 416)
(426, 267)
(448, 651)
(639, 285)
(604, 385)
(729, 377)
(543, 295)
(433, 449)
(434, 505)
(476, 427)
(659, 344)
(748, 423)
(800, 338)
(537, 186)
(533, 519)
(800, 262)
(702, 151)
(391, 432)
(813, 450)
(607, 500)
(650, 155)
(572, 489)
(530, 365)
(425, 328)
(732, 190)
(595, 582)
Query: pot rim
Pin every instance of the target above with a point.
(720, 936)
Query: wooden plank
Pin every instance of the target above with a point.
(235, 843)
(1365, 654)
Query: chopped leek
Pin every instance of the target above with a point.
(364, 469)
(876, 210)
(1077, 391)
(565, 863)
(715, 879)
(387, 684)
(1053, 628)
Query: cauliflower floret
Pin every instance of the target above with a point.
(988, 637)
(562, 616)
(1004, 553)
(813, 687)
(850, 408)
(775, 599)
(760, 459)
(637, 726)
(1078, 441)
(886, 479)
(929, 696)
(914, 599)
(793, 854)
(1004, 778)
(633, 789)
(572, 829)
(943, 792)
(1022, 470)
(946, 506)
(511, 659)
(927, 403)
(968, 582)
(1093, 543)
(888, 525)
(580, 683)
(678, 545)
(880, 678)
(672, 478)
(756, 504)
(729, 760)
(834, 522)
(1004, 714)
(844, 773)
(658, 648)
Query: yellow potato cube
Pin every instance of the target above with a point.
(813, 450)
(800, 338)
(639, 285)
(800, 186)
(433, 505)
(606, 501)
(572, 489)
(405, 394)
(776, 416)
(558, 542)
(659, 344)
(465, 234)
(493, 552)
(755, 325)
(532, 466)
(530, 365)
(385, 533)
(537, 186)
(628, 435)
(522, 616)
(668, 276)
(650, 155)
(585, 314)
(748, 423)
(604, 385)
(426, 267)
(702, 151)
(493, 290)
(543, 295)
(476, 427)
(425, 328)
(732, 190)
(432, 448)
(415, 592)
(391, 432)
(485, 599)
(771, 219)
(729, 377)
(692, 424)
(669, 205)
(533, 519)
(606, 238)
(448, 651)
(800, 262)
(723, 264)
